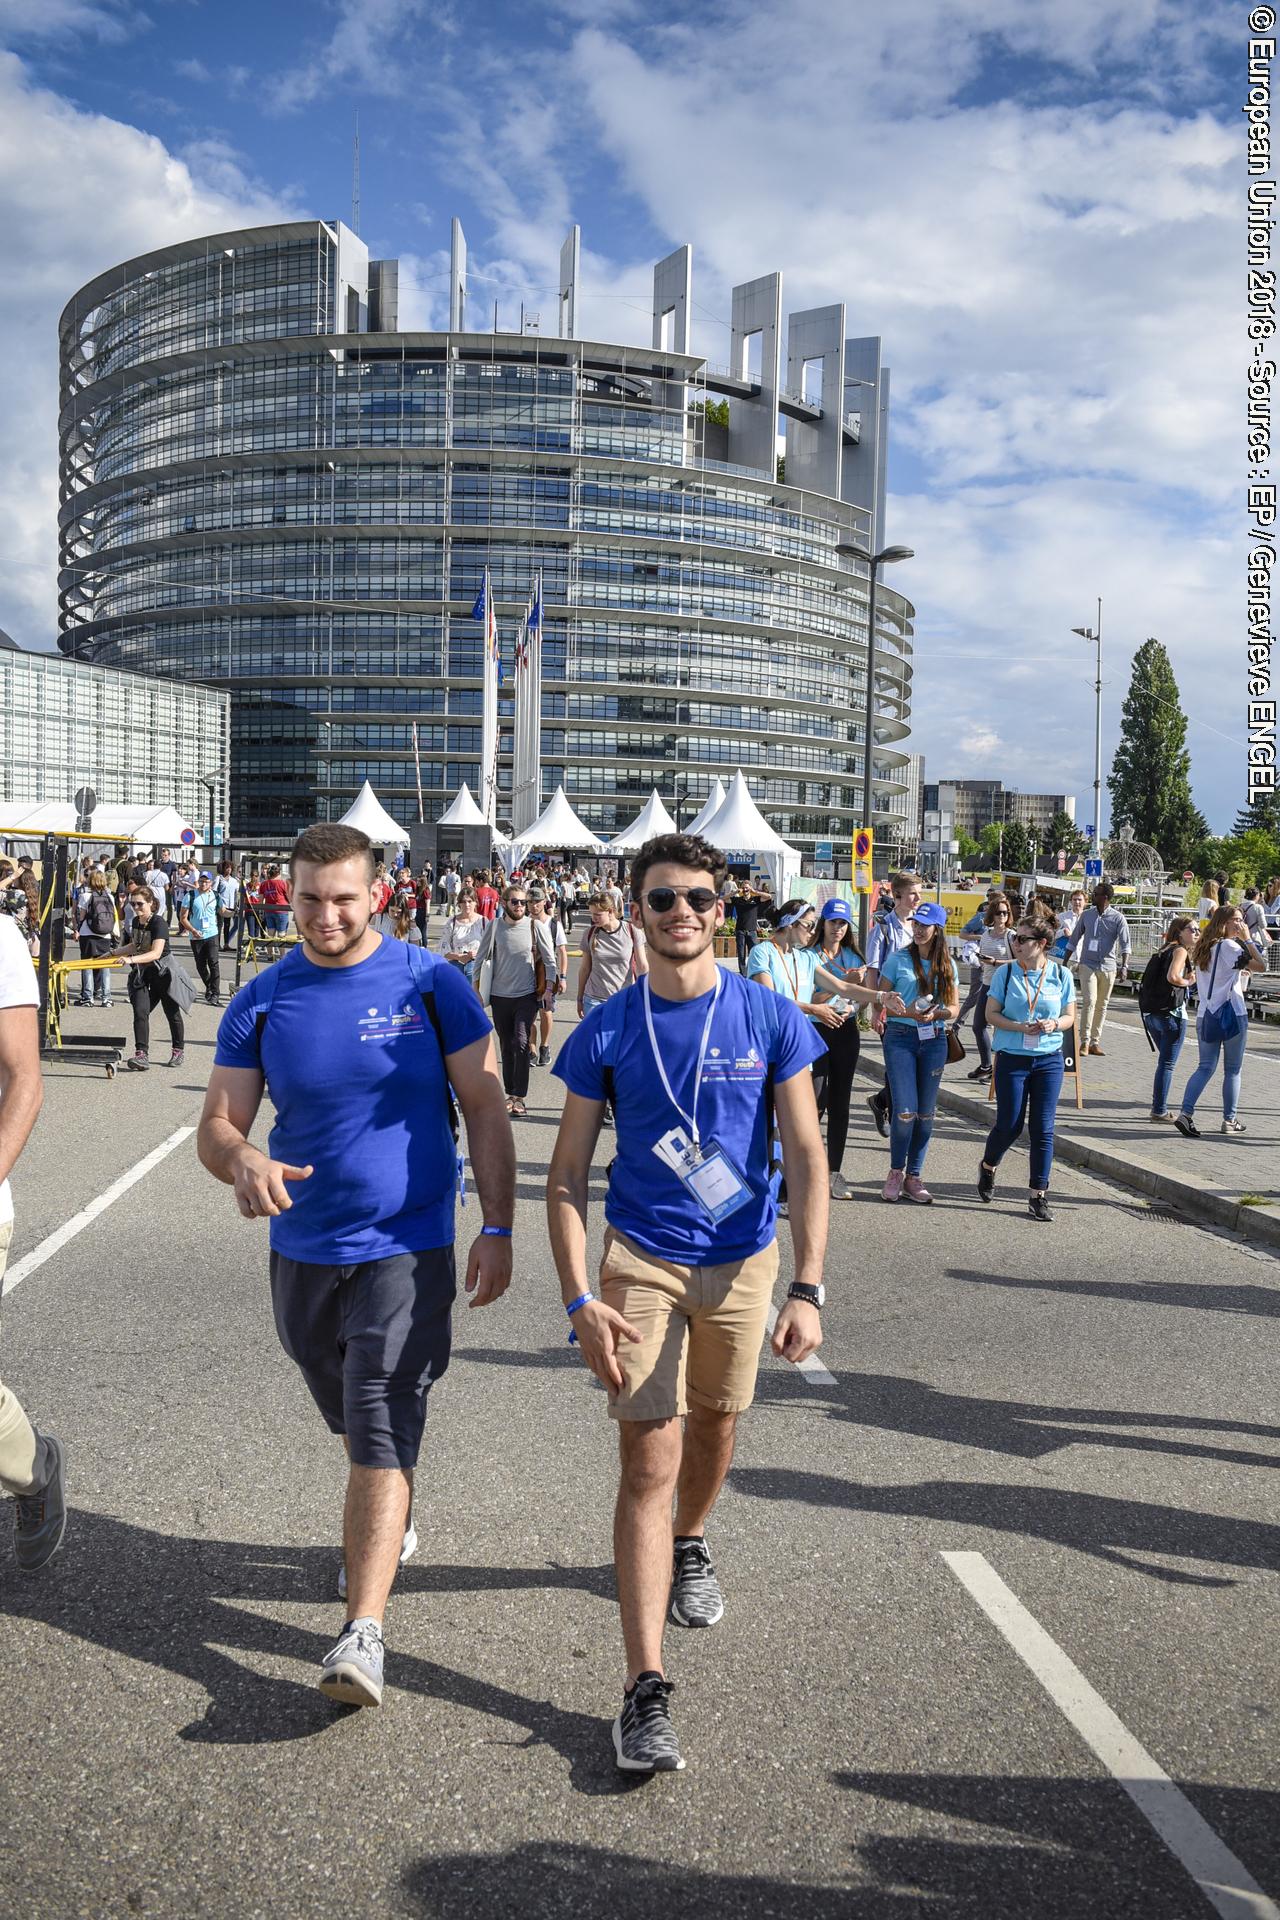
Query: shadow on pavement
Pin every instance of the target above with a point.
(1263, 1301)
(172, 1603)
(1023, 1429)
(1112, 1530)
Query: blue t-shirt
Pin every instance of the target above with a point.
(358, 1084)
(646, 1200)
(202, 912)
(1008, 994)
(793, 974)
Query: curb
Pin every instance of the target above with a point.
(1251, 1223)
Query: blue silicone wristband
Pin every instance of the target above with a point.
(582, 1300)
(497, 1233)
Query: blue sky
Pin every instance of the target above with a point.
(1038, 209)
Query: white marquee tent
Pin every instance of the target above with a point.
(556, 826)
(712, 806)
(653, 820)
(368, 814)
(153, 826)
(463, 810)
(742, 833)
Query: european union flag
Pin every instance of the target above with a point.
(534, 618)
(477, 611)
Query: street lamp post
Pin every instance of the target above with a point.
(1094, 636)
(210, 782)
(885, 557)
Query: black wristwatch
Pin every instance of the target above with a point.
(813, 1296)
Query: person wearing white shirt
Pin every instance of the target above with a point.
(1223, 955)
(31, 1462)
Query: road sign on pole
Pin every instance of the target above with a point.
(188, 836)
(863, 847)
(1093, 869)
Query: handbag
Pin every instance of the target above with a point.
(955, 1047)
(1220, 1023)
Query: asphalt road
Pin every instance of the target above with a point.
(1090, 1406)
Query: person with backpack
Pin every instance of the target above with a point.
(613, 955)
(993, 951)
(358, 1039)
(199, 919)
(515, 960)
(227, 888)
(1162, 1005)
(1030, 1005)
(542, 915)
(923, 981)
(98, 923)
(1222, 956)
(698, 1063)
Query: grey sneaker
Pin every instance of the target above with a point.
(1234, 1126)
(644, 1740)
(139, 1062)
(544, 1056)
(40, 1517)
(407, 1551)
(351, 1671)
(696, 1599)
(840, 1188)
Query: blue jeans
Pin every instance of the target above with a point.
(1232, 1052)
(1026, 1082)
(914, 1070)
(589, 1005)
(1167, 1035)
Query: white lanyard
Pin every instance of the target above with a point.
(690, 1119)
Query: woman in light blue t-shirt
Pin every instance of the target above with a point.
(915, 1046)
(1030, 1005)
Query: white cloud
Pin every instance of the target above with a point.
(79, 193)
(372, 47)
(193, 70)
(45, 20)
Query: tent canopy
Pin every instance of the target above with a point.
(653, 820)
(711, 807)
(154, 826)
(368, 814)
(740, 829)
(557, 826)
(462, 811)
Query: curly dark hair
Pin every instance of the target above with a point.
(687, 850)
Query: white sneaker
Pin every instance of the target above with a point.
(1234, 1126)
(840, 1188)
(407, 1551)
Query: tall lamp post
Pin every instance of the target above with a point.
(885, 557)
(210, 782)
(1094, 636)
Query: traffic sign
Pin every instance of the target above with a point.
(1088, 833)
(1093, 869)
(188, 836)
(863, 845)
(862, 841)
(86, 799)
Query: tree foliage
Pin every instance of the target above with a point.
(1017, 849)
(1065, 837)
(1248, 859)
(1150, 778)
(1263, 816)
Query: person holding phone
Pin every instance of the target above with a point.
(1030, 1005)
(923, 980)
(1223, 955)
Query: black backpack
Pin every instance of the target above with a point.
(1156, 993)
(101, 915)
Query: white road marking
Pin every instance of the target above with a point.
(1225, 1883)
(58, 1239)
(811, 1367)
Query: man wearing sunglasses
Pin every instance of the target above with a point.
(692, 1056)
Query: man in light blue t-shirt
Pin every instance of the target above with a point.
(692, 1057)
(198, 916)
(358, 1040)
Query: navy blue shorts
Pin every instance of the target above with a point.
(369, 1340)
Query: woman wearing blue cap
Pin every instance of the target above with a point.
(1030, 1005)
(915, 1046)
(833, 1075)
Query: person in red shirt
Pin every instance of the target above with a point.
(486, 898)
(274, 895)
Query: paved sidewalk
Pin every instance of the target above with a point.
(1112, 1135)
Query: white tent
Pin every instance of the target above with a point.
(555, 827)
(742, 833)
(653, 820)
(368, 814)
(153, 826)
(463, 811)
(714, 802)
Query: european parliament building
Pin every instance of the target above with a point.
(266, 486)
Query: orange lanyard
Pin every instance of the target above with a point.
(1032, 998)
(793, 974)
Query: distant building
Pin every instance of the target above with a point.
(975, 804)
(137, 741)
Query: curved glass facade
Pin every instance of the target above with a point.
(258, 497)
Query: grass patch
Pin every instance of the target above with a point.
(1257, 1199)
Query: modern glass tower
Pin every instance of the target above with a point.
(267, 486)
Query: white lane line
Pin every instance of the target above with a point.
(79, 1221)
(811, 1367)
(1225, 1883)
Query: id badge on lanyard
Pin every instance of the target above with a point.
(1031, 1041)
(703, 1169)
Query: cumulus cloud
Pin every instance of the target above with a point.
(79, 192)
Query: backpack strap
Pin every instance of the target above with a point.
(421, 976)
(765, 1015)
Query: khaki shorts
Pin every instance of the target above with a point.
(703, 1329)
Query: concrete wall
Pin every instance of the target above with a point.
(814, 449)
(673, 293)
(753, 424)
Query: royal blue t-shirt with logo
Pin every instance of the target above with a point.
(355, 1073)
(646, 1199)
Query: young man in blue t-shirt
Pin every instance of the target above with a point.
(358, 1039)
(691, 1057)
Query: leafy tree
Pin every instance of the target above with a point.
(1150, 777)
(1263, 816)
(1065, 837)
(782, 469)
(1248, 859)
(717, 412)
(970, 849)
(1017, 851)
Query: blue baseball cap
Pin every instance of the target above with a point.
(931, 913)
(836, 910)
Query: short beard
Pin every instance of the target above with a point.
(332, 953)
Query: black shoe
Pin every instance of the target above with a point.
(880, 1115)
(607, 1121)
(696, 1599)
(1187, 1127)
(986, 1181)
(977, 1073)
(644, 1740)
(544, 1056)
(1038, 1206)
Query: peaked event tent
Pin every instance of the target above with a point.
(463, 810)
(368, 814)
(714, 802)
(556, 826)
(653, 820)
(153, 826)
(739, 828)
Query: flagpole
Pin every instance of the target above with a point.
(417, 765)
(484, 611)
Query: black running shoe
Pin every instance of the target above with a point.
(1038, 1206)
(880, 1114)
(1187, 1127)
(644, 1740)
(986, 1180)
(696, 1599)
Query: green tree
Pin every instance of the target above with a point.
(970, 850)
(1262, 816)
(1150, 777)
(989, 844)
(1017, 851)
(717, 412)
(1065, 837)
(1248, 859)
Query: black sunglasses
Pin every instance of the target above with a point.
(662, 899)
(1027, 939)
